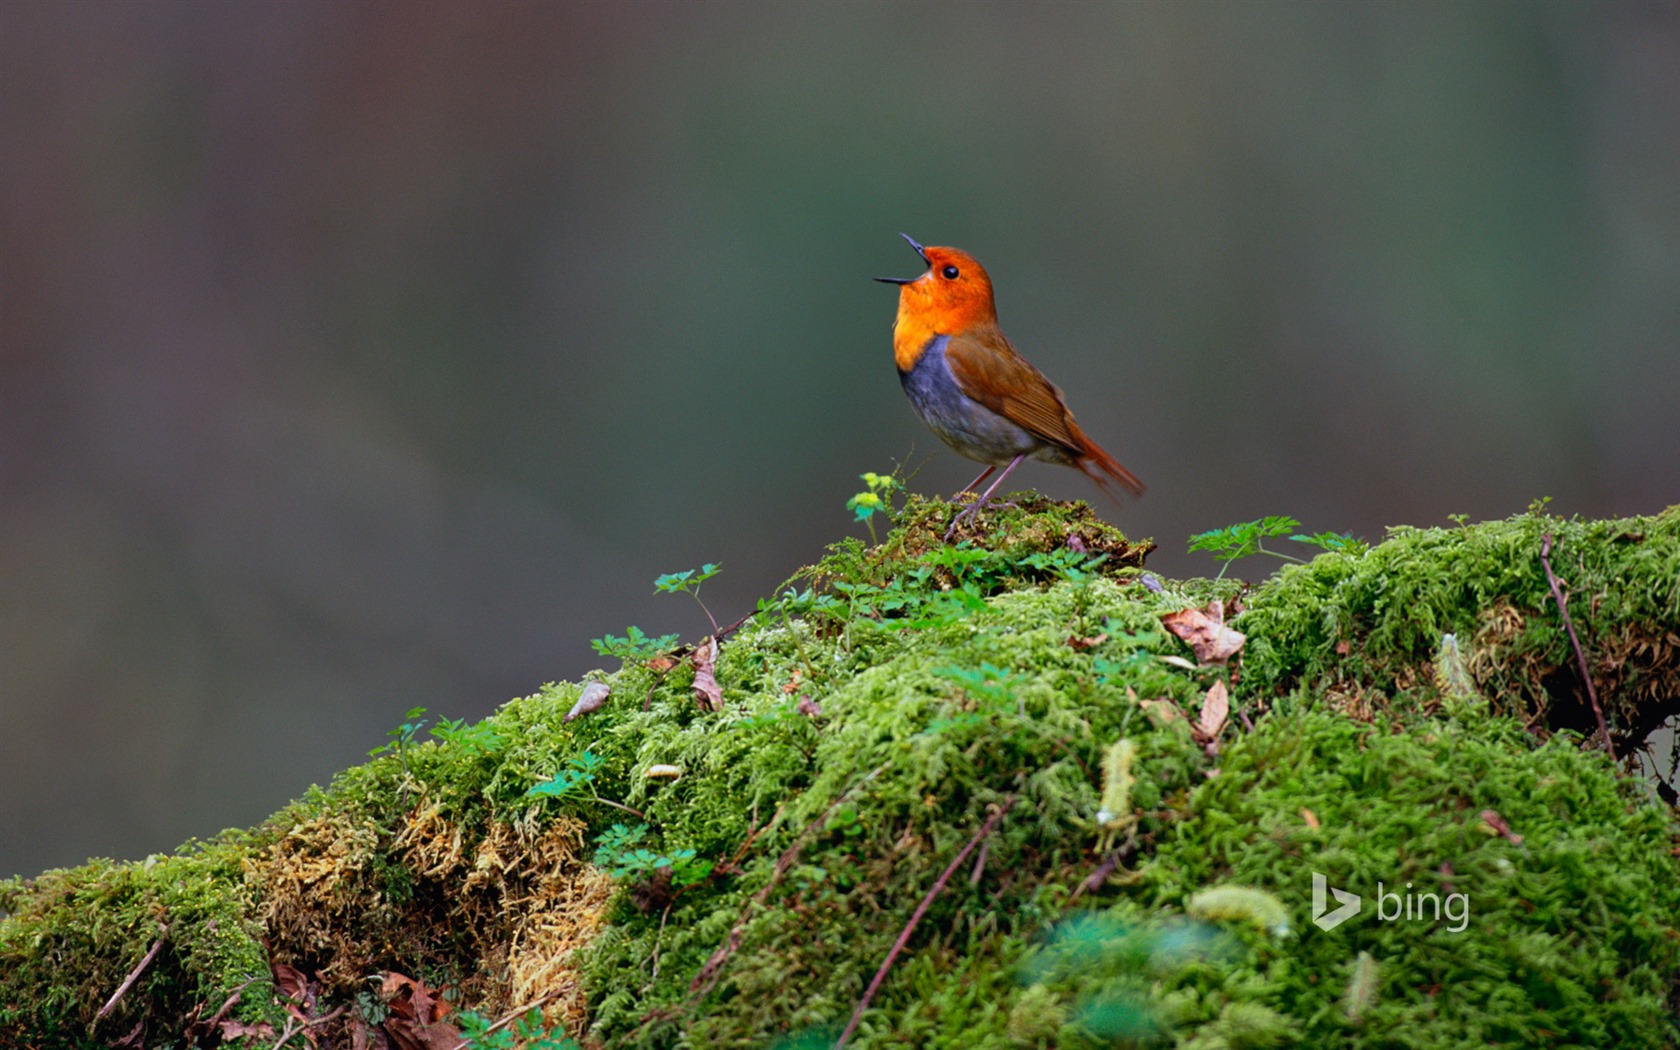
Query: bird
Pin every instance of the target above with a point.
(974, 389)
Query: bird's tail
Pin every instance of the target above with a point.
(1097, 463)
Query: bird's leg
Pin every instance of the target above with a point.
(985, 497)
(984, 474)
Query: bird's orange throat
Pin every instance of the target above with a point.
(933, 304)
(911, 333)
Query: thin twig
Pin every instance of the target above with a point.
(1574, 640)
(979, 864)
(286, 1036)
(511, 1016)
(133, 975)
(707, 977)
(916, 917)
(231, 1001)
(654, 976)
(638, 814)
(1094, 881)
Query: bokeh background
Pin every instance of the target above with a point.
(361, 357)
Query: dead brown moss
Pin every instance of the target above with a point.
(498, 907)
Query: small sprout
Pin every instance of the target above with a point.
(1244, 539)
(1334, 542)
(402, 736)
(878, 497)
(1248, 538)
(579, 773)
(689, 582)
(634, 646)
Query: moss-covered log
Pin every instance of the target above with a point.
(1406, 724)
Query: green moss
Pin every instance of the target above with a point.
(71, 937)
(888, 703)
(1372, 622)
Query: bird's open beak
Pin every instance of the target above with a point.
(919, 251)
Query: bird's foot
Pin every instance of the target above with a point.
(969, 512)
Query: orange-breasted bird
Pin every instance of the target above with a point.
(973, 388)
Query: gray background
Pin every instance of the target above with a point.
(360, 357)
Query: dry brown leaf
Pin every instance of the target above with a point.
(706, 690)
(593, 696)
(1310, 817)
(661, 664)
(808, 707)
(1497, 826)
(1078, 644)
(412, 1035)
(290, 981)
(411, 1000)
(1216, 709)
(792, 685)
(245, 1030)
(1205, 632)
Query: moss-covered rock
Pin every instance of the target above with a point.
(1138, 873)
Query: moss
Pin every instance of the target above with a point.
(1372, 622)
(877, 713)
(71, 937)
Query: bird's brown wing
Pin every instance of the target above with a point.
(991, 372)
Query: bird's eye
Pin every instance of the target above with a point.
(950, 273)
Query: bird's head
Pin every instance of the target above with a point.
(952, 295)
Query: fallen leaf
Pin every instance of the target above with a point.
(1310, 817)
(1344, 647)
(1078, 644)
(245, 1030)
(1496, 826)
(412, 1035)
(792, 685)
(706, 690)
(1150, 583)
(291, 981)
(593, 696)
(411, 1000)
(1216, 709)
(1205, 632)
(661, 664)
(808, 707)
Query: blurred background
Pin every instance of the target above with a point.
(361, 357)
